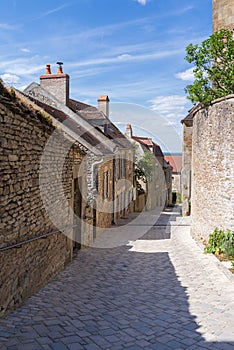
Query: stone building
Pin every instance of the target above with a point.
(158, 188)
(33, 246)
(175, 160)
(61, 178)
(208, 158)
(53, 90)
(223, 14)
(122, 148)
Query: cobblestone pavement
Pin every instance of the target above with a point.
(158, 291)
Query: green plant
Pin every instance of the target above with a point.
(228, 244)
(145, 166)
(143, 169)
(215, 242)
(179, 198)
(214, 67)
(221, 241)
(12, 93)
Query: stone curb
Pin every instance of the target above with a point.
(218, 263)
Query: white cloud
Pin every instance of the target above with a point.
(142, 2)
(124, 57)
(22, 87)
(170, 107)
(128, 58)
(21, 66)
(187, 75)
(9, 79)
(25, 50)
(170, 123)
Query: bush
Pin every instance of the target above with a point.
(221, 241)
(228, 244)
(215, 242)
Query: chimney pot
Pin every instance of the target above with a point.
(56, 84)
(60, 70)
(48, 71)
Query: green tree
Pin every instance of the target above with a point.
(144, 167)
(214, 67)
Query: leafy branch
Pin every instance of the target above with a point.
(213, 69)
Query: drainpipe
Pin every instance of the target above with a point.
(92, 167)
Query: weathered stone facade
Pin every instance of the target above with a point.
(223, 14)
(105, 198)
(212, 159)
(61, 186)
(158, 189)
(186, 167)
(110, 142)
(175, 160)
(33, 247)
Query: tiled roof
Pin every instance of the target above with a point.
(92, 114)
(86, 111)
(149, 143)
(175, 161)
(115, 134)
(71, 124)
(144, 141)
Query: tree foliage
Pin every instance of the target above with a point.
(144, 167)
(214, 67)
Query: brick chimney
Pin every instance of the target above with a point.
(57, 84)
(128, 132)
(103, 104)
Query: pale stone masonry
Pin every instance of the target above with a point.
(213, 173)
(186, 166)
(40, 250)
(208, 171)
(223, 14)
(98, 124)
(207, 165)
(158, 189)
(67, 175)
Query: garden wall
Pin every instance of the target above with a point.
(212, 201)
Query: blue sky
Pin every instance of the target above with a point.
(132, 50)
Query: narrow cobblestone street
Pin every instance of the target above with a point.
(157, 292)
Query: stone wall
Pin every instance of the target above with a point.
(212, 201)
(32, 247)
(124, 183)
(176, 186)
(223, 14)
(186, 168)
(105, 202)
